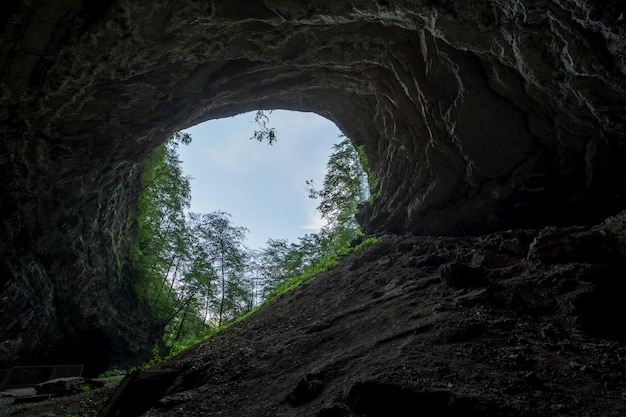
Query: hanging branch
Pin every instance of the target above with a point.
(262, 120)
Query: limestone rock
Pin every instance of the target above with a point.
(475, 116)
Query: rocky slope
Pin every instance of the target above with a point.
(476, 116)
(517, 323)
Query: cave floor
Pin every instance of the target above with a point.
(516, 323)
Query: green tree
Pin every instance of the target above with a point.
(255, 277)
(191, 268)
(196, 291)
(194, 269)
(163, 238)
(345, 187)
(223, 243)
(274, 264)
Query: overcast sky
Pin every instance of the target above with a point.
(262, 187)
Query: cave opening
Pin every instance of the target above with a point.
(473, 119)
(262, 186)
(210, 187)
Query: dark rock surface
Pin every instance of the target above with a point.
(475, 116)
(542, 336)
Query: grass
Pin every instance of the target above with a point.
(322, 265)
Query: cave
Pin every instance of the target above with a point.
(476, 116)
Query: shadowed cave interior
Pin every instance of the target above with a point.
(477, 117)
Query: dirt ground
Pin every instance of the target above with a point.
(517, 323)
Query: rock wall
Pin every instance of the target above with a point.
(475, 115)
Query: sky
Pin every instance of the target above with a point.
(263, 187)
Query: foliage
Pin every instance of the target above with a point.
(190, 267)
(163, 236)
(193, 269)
(222, 243)
(156, 358)
(345, 187)
(164, 239)
(264, 133)
(320, 265)
(112, 372)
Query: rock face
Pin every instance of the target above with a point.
(475, 116)
(526, 324)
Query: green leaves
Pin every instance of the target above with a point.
(283, 265)
(194, 269)
(223, 244)
(265, 132)
(163, 237)
(345, 187)
(190, 267)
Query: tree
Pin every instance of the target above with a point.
(191, 268)
(345, 187)
(163, 238)
(194, 269)
(274, 264)
(197, 290)
(223, 244)
(265, 132)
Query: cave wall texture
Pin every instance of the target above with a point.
(476, 115)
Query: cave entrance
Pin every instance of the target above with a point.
(263, 187)
(197, 269)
